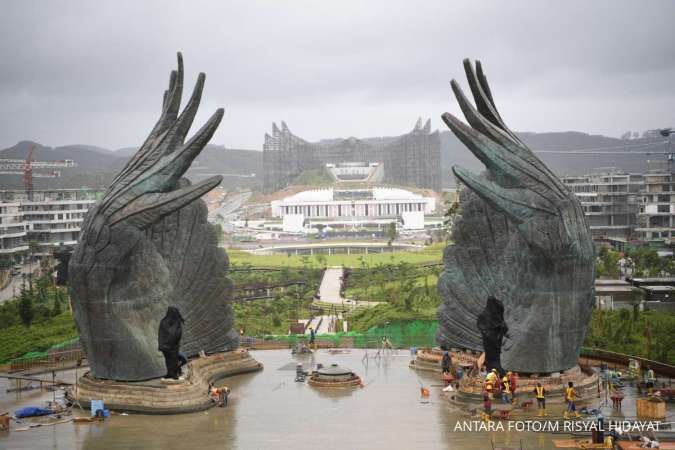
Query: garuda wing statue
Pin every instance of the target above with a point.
(522, 237)
(147, 245)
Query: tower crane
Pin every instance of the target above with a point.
(25, 168)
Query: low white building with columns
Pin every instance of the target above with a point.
(353, 208)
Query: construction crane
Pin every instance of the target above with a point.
(25, 168)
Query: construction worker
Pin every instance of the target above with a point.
(506, 390)
(513, 384)
(571, 397)
(312, 337)
(489, 388)
(650, 379)
(540, 394)
(487, 405)
(446, 362)
(490, 380)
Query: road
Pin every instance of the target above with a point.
(14, 287)
(231, 207)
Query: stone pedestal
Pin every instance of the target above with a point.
(160, 396)
(470, 391)
(429, 359)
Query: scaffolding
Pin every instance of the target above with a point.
(412, 159)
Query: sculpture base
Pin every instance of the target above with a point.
(586, 384)
(354, 381)
(161, 396)
(429, 359)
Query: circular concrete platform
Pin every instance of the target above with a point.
(160, 396)
(334, 376)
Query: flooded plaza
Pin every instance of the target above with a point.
(269, 409)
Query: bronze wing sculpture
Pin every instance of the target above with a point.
(522, 237)
(146, 245)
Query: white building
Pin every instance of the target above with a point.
(12, 228)
(353, 207)
(52, 218)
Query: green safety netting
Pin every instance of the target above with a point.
(32, 355)
(64, 344)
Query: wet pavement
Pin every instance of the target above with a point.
(268, 410)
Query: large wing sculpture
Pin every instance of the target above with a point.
(147, 245)
(521, 237)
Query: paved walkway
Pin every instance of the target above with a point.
(329, 291)
(331, 284)
(320, 324)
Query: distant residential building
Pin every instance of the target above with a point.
(656, 220)
(622, 206)
(353, 208)
(610, 202)
(52, 218)
(12, 228)
(614, 294)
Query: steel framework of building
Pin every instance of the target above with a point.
(412, 159)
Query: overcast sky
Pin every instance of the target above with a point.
(93, 72)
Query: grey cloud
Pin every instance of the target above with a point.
(93, 72)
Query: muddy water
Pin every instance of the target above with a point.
(268, 410)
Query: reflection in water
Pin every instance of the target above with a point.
(269, 409)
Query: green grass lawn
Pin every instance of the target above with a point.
(362, 291)
(430, 254)
(19, 339)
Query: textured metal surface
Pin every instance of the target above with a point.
(521, 237)
(147, 245)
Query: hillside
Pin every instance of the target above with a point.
(244, 168)
(454, 152)
(96, 166)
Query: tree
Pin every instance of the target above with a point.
(220, 234)
(636, 297)
(320, 259)
(391, 233)
(26, 309)
(449, 218)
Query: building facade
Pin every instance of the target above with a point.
(610, 202)
(413, 159)
(624, 206)
(656, 216)
(353, 207)
(12, 228)
(51, 219)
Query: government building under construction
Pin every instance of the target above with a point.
(413, 159)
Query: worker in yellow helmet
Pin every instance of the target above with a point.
(540, 394)
(506, 389)
(650, 380)
(489, 388)
(490, 380)
(571, 397)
